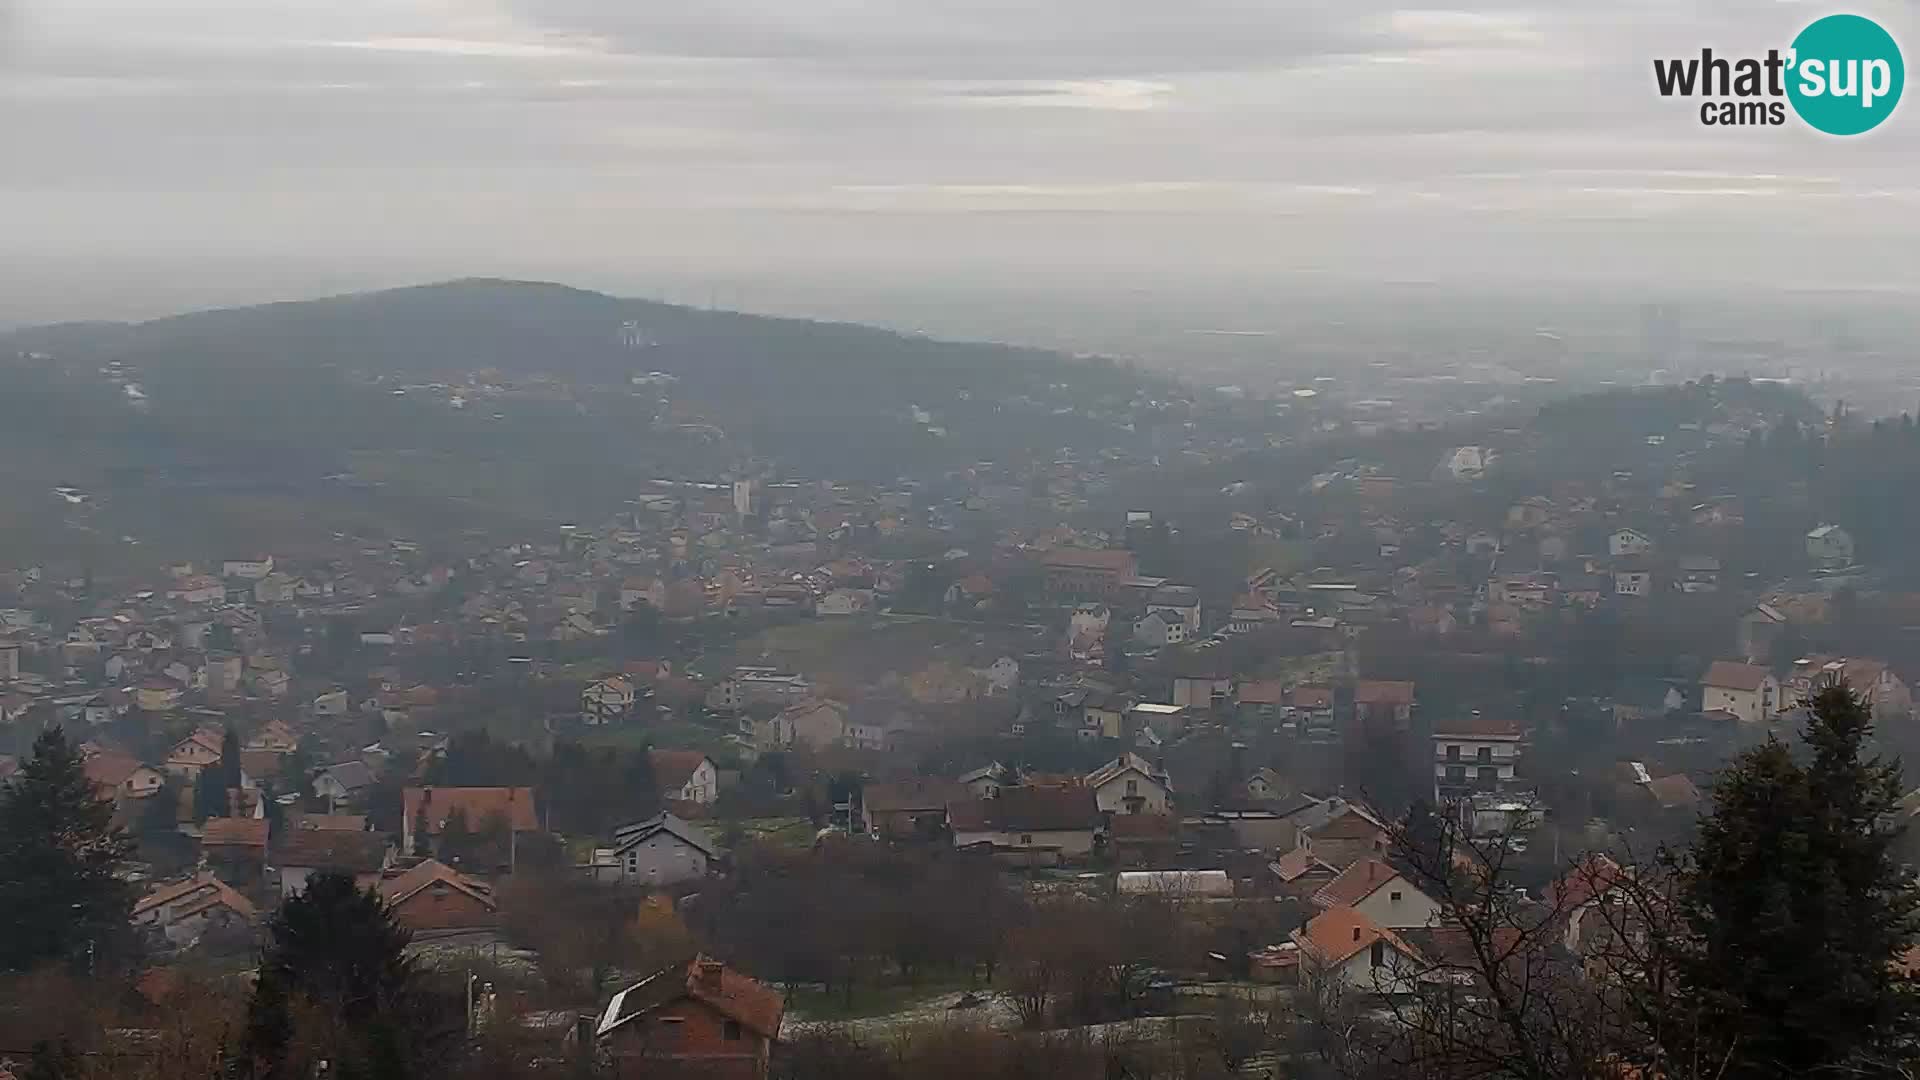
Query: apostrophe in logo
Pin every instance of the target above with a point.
(1846, 75)
(1842, 75)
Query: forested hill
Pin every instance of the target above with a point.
(485, 397)
(521, 328)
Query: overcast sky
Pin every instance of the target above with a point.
(1174, 141)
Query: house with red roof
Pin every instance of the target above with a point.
(236, 848)
(1382, 893)
(1747, 691)
(1346, 837)
(1342, 949)
(431, 807)
(433, 897)
(703, 1019)
(685, 775)
(1087, 572)
(200, 750)
(118, 776)
(183, 911)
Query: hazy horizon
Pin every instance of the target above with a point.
(812, 151)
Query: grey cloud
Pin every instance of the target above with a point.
(1092, 134)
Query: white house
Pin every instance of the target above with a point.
(198, 589)
(1830, 545)
(1343, 950)
(1472, 753)
(247, 569)
(1748, 691)
(687, 775)
(1179, 603)
(844, 602)
(1158, 630)
(200, 750)
(341, 783)
(607, 700)
(661, 850)
(1382, 894)
(1002, 676)
(1628, 542)
(1130, 785)
(650, 591)
(1632, 582)
(1088, 619)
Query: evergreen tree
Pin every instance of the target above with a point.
(422, 843)
(229, 768)
(52, 1061)
(335, 956)
(59, 848)
(210, 795)
(1797, 910)
(456, 837)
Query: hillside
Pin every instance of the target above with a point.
(472, 400)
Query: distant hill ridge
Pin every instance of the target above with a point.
(520, 326)
(251, 401)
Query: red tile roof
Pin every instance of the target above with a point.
(1263, 692)
(235, 832)
(755, 1005)
(1355, 883)
(395, 890)
(1298, 863)
(110, 768)
(331, 849)
(1351, 823)
(1368, 692)
(1591, 877)
(1112, 560)
(672, 768)
(477, 804)
(1312, 697)
(217, 892)
(1734, 675)
(328, 822)
(1338, 933)
(920, 793)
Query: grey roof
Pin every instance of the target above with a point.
(352, 775)
(639, 832)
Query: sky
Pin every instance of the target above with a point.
(157, 152)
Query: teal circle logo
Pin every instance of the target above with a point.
(1845, 75)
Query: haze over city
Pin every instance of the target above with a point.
(958, 540)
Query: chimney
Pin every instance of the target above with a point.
(708, 971)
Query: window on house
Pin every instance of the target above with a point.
(1489, 775)
(1026, 838)
(1395, 896)
(1456, 774)
(731, 1032)
(1453, 753)
(1485, 753)
(1379, 953)
(1133, 788)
